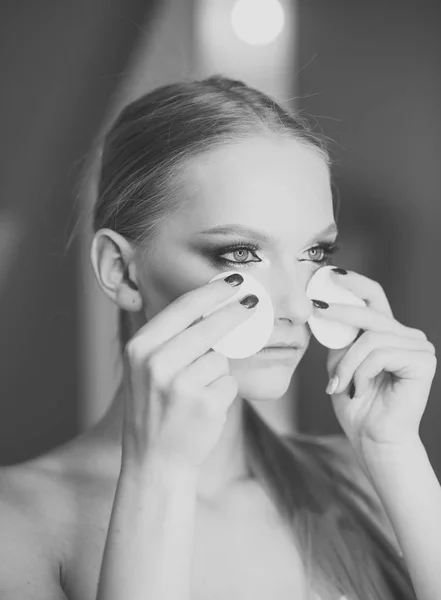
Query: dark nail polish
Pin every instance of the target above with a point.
(249, 301)
(320, 304)
(352, 390)
(234, 279)
(340, 271)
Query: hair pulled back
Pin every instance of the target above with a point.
(143, 158)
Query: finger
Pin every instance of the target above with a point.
(180, 314)
(367, 289)
(187, 346)
(402, 362)
(203, 371)
(368, 319)
(362, 348)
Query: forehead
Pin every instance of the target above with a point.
(272, 184)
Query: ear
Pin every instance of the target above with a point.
(111, 254)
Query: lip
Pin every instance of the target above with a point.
(279, 348)
(284, 345)
(279, 353)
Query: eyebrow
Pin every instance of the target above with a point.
(247, 232)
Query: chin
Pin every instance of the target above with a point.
(262, 385)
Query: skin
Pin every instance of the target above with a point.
(254, 184)
(282, 188)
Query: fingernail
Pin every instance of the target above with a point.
(352, 390)
(249, 301)
(332, 385)
(234, 279)
(340, 271)
(320, 304)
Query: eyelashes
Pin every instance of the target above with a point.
(251, 248)
(328, 250)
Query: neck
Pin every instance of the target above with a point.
(224, 467)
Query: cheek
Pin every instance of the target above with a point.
(166, 281)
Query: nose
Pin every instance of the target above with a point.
(288, 294)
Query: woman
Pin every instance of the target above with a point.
(182, 491)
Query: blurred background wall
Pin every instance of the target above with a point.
(367, 72)
(371, 76)
(60, 65)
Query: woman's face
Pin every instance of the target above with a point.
(274, 186)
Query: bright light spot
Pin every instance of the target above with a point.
(257, 22)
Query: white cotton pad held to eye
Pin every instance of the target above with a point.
(331, 334)
(250, 336)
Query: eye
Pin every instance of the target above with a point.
(324, 251)
(240, 253)
(315, 252)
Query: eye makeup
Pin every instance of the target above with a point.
(215, 255)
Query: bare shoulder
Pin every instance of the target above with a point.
(54, 515)
(31, 510)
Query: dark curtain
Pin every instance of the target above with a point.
(60, 65)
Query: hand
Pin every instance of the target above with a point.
(181, 390)
(391, 366)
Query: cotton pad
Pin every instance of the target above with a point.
(331, 334)
(253, 334)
